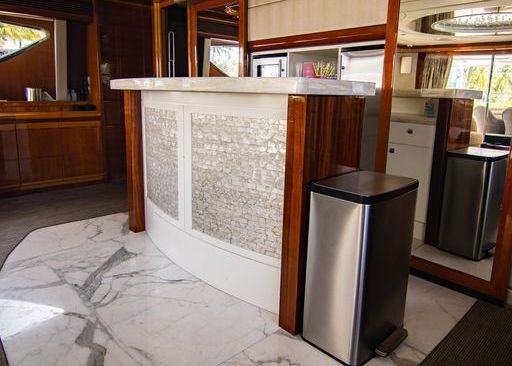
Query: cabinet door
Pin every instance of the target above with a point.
(9, 169)
(40, 153)
(82, 149)
(412, 162)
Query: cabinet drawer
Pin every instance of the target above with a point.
(412, 134)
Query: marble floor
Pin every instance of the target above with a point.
(481, 269)
(93, 293)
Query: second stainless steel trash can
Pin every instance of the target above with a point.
(472, 196)
(359, 244)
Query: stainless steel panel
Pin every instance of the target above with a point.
(357, 273)
(471, 204)
(369, 133)
(493, 201)
(333, 274)
(463, 201)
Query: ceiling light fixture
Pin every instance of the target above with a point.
(485, 23)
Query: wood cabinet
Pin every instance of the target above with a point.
(49, 152)
(9, 170)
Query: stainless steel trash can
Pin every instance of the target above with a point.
(359, 244)
(472, 196)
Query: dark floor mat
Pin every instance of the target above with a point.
(482, 337)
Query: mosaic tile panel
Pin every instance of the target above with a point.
(162, 159)
(238, 180)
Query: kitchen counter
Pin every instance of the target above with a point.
(303, 86)
(438, 93)
(221, 197)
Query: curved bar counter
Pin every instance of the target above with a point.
(226, 163)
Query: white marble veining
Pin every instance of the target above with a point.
(438, 93)
(91, 293)
(119, 301)
(452, 93)
(481, 269)
(249, 85)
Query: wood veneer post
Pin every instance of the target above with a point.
(323, 140)
(158, 46)
(503, 253)
(386, 98)
(134, 159)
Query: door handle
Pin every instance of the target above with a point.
(410, 131)
(391, 150)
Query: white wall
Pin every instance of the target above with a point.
(278, 18)
(405, 81)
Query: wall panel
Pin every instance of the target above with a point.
(278, 18)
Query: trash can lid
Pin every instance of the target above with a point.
(479, 153)
(365, 187)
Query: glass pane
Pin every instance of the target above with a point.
(471, 72)
(500, 97)
(225, 57)
(16, 38)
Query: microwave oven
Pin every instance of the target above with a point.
(269, 66)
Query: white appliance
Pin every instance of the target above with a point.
(365, 63)
(270, 66)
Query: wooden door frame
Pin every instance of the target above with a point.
(193, 9)
(159, 24)
(496, 288)
(386, 99)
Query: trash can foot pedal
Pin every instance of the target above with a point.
(391, 343)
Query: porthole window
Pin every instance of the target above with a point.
(14, 39)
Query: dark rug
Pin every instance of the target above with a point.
(482, 337)
(22, 214)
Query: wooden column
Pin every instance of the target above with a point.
(386, 97)
(134, 159)
(453, 129)
(323, 140)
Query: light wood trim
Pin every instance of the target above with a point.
(192, 10)
(50, 115)
(386, 98)
(360, 34)
(192, 40)
(243, 64)
(134, 159)
(453, 276)
(62, 181)
(7, 126)
(158, 27)
(93, 60)
(463, 48)
(37, 125)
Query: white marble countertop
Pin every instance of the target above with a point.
(306, 86)
(438, 93)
